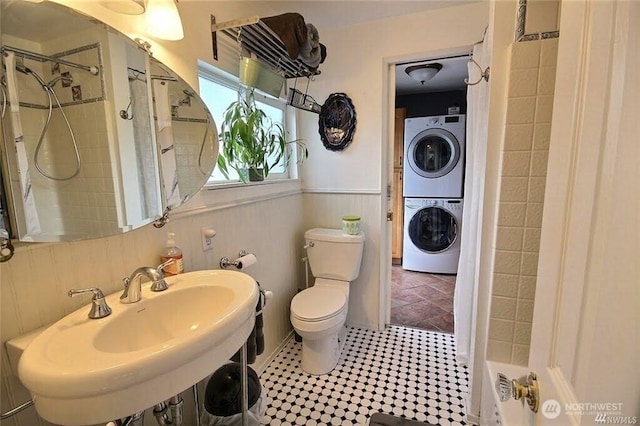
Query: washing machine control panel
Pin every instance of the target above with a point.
(449, 204)
(454, 205)
(437, 121)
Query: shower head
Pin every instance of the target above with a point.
(187, 100)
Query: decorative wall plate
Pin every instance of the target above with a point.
(337, 122)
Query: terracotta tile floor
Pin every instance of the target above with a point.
(422, 300)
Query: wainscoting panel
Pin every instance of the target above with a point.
(325, 210)
(36, 280)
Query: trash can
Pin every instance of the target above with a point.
(223, 397)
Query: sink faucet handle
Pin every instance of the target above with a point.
(161, 284)
(99, 307)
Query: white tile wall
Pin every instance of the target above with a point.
(35, 281)
(57, 156)
(524, 169)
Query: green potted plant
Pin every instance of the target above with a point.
(252, 144)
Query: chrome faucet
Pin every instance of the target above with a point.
(133, 284)
(99, 307)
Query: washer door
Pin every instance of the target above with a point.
(433, 153)
(433, 229)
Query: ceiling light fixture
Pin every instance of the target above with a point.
(163, 20)
(423, 72)
(128, 7)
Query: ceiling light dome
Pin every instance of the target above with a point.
(423, 72)
(163, 20)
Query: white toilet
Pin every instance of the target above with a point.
(318, 314)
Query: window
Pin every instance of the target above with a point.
(218, 92)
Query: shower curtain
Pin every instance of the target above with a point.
(32, 221)
(145, 152)
(166, 141)
(467, 279)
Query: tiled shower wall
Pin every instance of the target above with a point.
(524, 169)
(88, 201)
(75, 198)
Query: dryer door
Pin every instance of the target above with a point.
(433, 153)
(433, 229)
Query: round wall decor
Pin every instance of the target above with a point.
(337, 122)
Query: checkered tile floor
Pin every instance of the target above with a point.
(401, 371)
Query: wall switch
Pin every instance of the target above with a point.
(207, 238)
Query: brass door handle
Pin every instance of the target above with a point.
(513, 389)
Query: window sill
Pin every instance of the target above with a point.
(216, 197)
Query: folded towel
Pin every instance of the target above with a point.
(255, 342)
(291, 29)
(312, 52)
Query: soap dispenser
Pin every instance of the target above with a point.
(172, 251)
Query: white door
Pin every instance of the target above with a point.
(585, 347)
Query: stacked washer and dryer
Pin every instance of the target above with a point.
(433, 176)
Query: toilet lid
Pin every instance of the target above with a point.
(318, 303)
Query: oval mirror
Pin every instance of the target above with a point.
(99, 138)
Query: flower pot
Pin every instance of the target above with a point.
(243, 174)
(251, 174)
(256, 174)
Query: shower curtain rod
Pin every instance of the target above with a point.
(136, 73)
(161, 77)
(32, 55)
(420, 61)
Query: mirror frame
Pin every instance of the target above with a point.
(209, 141)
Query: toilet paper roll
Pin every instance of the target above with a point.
(246, 261)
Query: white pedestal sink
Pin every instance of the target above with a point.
(84, 371)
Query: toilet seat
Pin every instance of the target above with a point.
(318, 304)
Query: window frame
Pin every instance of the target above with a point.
(217, 76)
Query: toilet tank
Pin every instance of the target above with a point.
(334, 255)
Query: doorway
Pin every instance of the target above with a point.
(423, 280)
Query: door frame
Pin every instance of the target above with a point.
(386, 164)
(582, 242)
(588, 110)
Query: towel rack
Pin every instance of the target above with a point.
(263, 297)
(257, 37)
